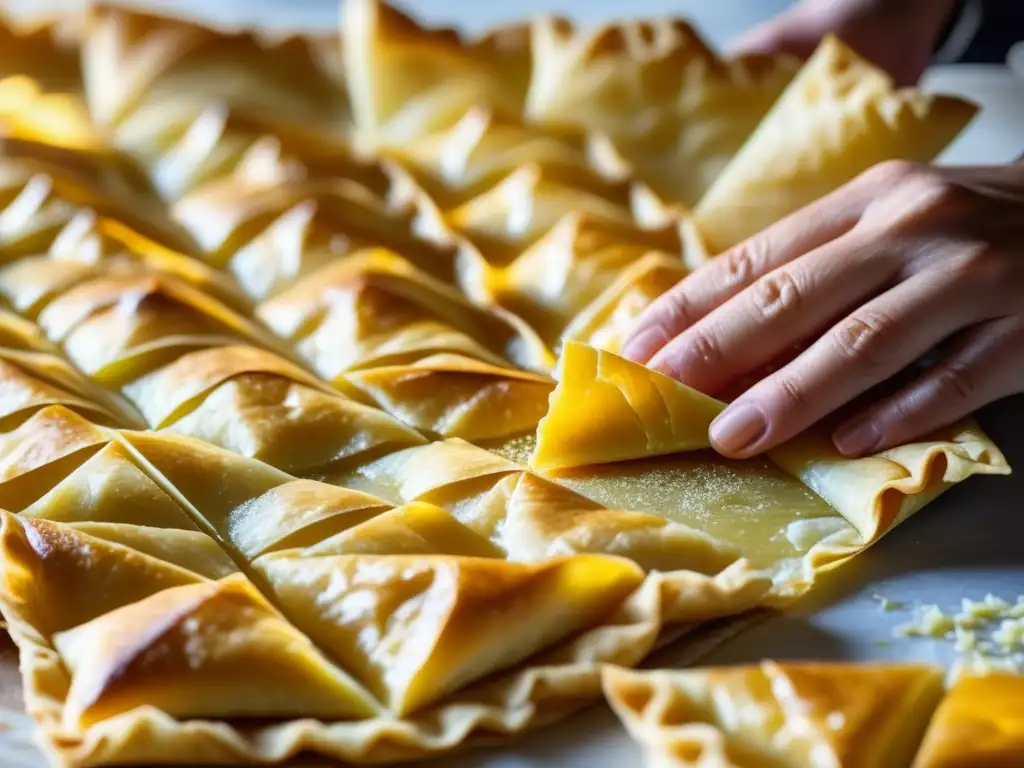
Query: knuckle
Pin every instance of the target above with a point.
(982, 267)
(956, 384)
(890, 172)
(793, 393)
(776, 294)
(673, 312)
(935, 194)
(928, 200)
(740, 264)
(864, 338)
(705, 347)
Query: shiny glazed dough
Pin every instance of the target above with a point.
(283, 316)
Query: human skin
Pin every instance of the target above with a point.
(897, 35)
(901, 261)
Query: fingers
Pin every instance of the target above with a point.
(796, 32)
(788, 305)
(733, 271)
(864, 349)
(983, 366)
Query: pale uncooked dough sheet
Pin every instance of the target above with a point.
(920, 561)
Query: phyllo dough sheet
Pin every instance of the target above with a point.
(313, 433)
(796, 714)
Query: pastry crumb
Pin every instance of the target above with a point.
(1009, 633)
(886, 604)
(991, 607)
(966, 639)
(931, 623)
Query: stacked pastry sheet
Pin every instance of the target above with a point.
(780, 715)
(313, 434)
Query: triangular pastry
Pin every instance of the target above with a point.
(672, 106)
(117, 329)
(607, 409)
(89, 247)
(980, 722)
(69, 577)
(271, 235)
(413, 628)
(605, 322)
(512, 215)
(780, 715)
(299, 513)
(257, 404)
(302, 430)
(454, 396)
(406, 81)
(169, 393)
(476, 153)
(412, 529)
(46, 186)
(167, 651)
(43, 48)
(188, 100)
(377, 309)
(30, 381)
(544, 519)
(582, 255)
(447, 473)
(840, 116)
(210, 481)
(189, 549)
(42, 450)
(109, 487)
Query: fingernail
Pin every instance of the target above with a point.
(641, 347)
(856, 439)
(738, 427)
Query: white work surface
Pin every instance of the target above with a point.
(966, 544)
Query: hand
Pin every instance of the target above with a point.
(897, 35)
(866, 281)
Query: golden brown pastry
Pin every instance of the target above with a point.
(840, 116)
(267, 407)
(189, 101)
(464, 160)
(674, 109)
(46, 185)
(377, 309)
(510, 216)
(411, 529)
(778, 715)
(979, 722)
(27, 112)
(607, 409)
(163, 651)
(605, 322)
(413, 628)
(269, 234)
(406, 81)
(450, 395)
(44, 49)
(555, 279)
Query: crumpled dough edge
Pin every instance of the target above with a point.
(879, 492)
(550, 686)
